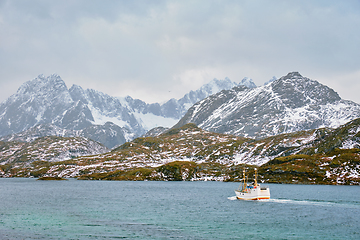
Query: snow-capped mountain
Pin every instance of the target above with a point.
(247, 82)
(271, 80)
(47, 100)
(37, 101)
(46, 106)
(291, 103)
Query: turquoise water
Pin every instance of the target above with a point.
(31, 209)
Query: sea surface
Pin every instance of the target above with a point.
(74, 209)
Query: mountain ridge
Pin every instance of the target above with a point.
(47, 100)
(284, 105)
(288, 104)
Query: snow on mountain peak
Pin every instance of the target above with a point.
(42, 84)
(295, 88)
(271, 80)
(291, 103)
(47, 100)
(248, 82)
(217, 85)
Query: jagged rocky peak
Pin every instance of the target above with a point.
(217, 85)
(44, 90)
(292, 75)
(42, 83)
(248, 82)
(77, 93)
(298, 90)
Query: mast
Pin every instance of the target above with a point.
(255, 183)
(244, 179)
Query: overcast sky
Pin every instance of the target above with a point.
(156, 50)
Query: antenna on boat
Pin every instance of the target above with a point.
(244, 179)
(255, 177)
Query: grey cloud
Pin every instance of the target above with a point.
(161, 49)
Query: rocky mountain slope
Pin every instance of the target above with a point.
(48, 105)
(289, 104)
(327, 156)
(108, 134)
(48, 149)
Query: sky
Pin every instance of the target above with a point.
(157, 50)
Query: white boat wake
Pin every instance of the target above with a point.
(305, 202)
(232, 198)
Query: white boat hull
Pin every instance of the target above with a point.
(256, 193)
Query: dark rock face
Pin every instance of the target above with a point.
(297, 91)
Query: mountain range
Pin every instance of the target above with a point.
(45, 106)
(294, 128)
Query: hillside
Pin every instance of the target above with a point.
(190, 153)
(49, 149)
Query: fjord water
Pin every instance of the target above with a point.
(73, 209)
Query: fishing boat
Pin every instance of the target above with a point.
(253, 191)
